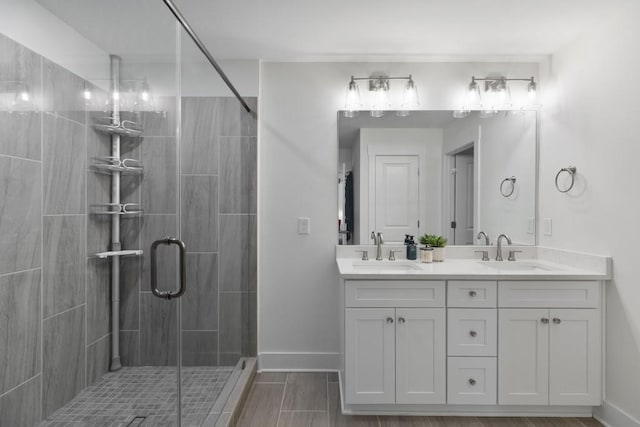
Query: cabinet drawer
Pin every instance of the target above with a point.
(471, 293)
(550, 294)
(472, 381)
(472, 331)
(394, 293)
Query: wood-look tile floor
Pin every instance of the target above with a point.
(301, 399)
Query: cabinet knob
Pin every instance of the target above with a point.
(473, 294)
(473, 333)
(472, 381)
(544, 320)
(389, 319)
(401, 319)
(556, 320)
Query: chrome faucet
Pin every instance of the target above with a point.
(485, 254)
(499, 254)
(377, 240)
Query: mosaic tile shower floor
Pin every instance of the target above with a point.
(150, 392)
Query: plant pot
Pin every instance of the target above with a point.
(438, 254)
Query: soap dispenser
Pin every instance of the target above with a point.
(412, 250)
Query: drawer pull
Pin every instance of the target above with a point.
(473, 333)
(556, 320)
(401, 319)
(544, 320)
(473, 294)
(389, 319)
(472, 381)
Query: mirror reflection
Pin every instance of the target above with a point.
(431, 173)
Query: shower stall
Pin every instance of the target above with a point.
(128, 171)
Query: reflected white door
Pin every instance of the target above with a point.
(464, 199)
(397, 196)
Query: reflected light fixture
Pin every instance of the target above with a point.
(379, 86)
(494, 96)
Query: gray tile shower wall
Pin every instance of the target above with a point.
(54, 328)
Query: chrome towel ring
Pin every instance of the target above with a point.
(571, 170)
(509, 191)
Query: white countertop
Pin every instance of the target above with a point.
(531, 267)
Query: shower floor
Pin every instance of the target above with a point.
(143, 396)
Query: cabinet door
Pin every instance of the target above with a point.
(370, 355)
(420, 355)
(575, 357)
(523, 357)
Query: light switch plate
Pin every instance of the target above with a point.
(531, 226)
(304, 225)
(547, 226)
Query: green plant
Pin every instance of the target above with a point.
(433, 240)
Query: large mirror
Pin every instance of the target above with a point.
(432, 173)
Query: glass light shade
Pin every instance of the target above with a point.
(380, 101)
(410, 99)
(473, 98)
(352, 102)
(461, 114)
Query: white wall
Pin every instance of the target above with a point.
(590, 120)
(298, 149)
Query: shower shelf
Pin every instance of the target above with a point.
(104, 255)
(117, 130)
(125, 209)
(119, 166)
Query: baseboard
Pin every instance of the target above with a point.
(612, 416)
(275, 361)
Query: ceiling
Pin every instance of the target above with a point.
(339, 30)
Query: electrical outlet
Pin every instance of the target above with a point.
(531, 226)
(304, 225)
(547, 226)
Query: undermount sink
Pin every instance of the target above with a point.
(518, 266)
(385, 265)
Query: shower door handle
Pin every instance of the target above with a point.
(183, 271)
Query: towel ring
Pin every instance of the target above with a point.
(571, 170)
(512, 180)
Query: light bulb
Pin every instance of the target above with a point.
(24, 96)
(87, 94)
(144, 96)
(380, 98)
(116, 95)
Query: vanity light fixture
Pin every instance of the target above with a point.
(379, 86)
(493, 96)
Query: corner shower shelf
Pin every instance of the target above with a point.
(105, 255)
(117, 130)
(122, 168)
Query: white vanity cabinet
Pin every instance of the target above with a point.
(549, 350)
(395, 348)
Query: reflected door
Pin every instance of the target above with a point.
(397, 196)
(463, 215)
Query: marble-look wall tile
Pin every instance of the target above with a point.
(98, 359)
(238, 252)
(157, 330)
(63, 367)
(234, 120)
(64, 165)
(130, 348)
(159, 184)
(200, 302)
(199, 348)
(130, 275)
(238, 175)
(199, 146)
(64, 263)
(20, 222)
(199, 213)
(234, 321)
(98, 299)
(155, 227)
(98, 226)
(21, 407)
(62, 92)
(19, 328)
(20, 125)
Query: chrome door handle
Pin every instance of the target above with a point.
(183, 270)
(401, 319)
(389, 319)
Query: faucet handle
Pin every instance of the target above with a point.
(512, 255)
(392, 254)
(365, 254)
(485, 255)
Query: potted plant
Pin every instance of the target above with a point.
(437, 243)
